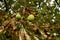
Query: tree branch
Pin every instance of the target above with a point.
(57, 3)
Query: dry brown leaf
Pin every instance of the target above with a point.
(36, 38)
(27, 36)
(22, 35)
(12, 23)
(24, 10)
(35, 27)
(6, 22)
(5, 16)
(43, 33)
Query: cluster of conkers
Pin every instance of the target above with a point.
(30, 17)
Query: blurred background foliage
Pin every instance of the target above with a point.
(46, 25)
